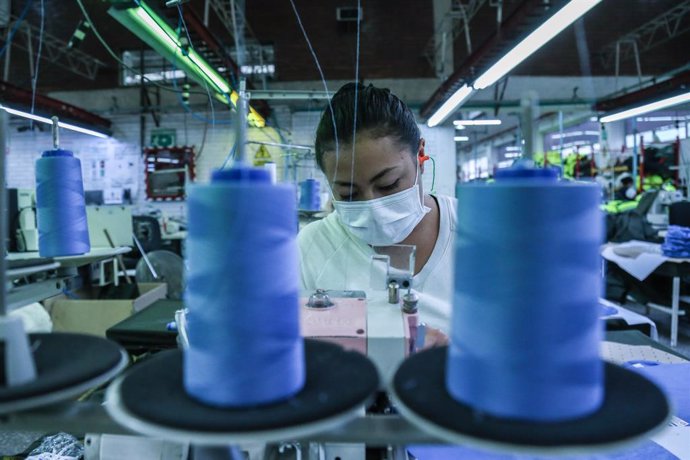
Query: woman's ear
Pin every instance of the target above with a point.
(421, 155)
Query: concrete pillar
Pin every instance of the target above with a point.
(616, 136)
(443, 39)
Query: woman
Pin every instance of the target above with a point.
(379, 201)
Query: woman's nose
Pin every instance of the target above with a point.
(369, 194)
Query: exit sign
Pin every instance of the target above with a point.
(163, 137)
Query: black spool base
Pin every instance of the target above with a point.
(151, 399)
(633, 409)
(67, 365)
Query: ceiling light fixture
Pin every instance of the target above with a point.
(461, 138)
(572, 11)
(448, 107)
(141, 20)
(646, 108)
(61, 124)
(463, 123)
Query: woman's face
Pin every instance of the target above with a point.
(382, 166)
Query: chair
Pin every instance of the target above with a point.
(646, 202)
(148, 232)
(679, 214)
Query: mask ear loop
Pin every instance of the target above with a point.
(421, 158)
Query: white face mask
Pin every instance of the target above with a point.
(383, 221)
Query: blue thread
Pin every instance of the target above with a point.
(310, 197)
(607, 310)
(526, 328)
(60, 207)
(242, 291)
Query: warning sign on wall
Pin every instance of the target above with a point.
(261, 157)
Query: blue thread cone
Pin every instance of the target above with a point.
(243, 291)
(61, 210)
(525, 328)
(310, 198)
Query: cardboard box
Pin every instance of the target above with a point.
(92, 316)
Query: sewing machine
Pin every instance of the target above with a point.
(22, 220)
(658, 213)
(372, 325)
(381, 323)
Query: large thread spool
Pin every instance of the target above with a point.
(525, 328)
(310, 196)
(60, 208)
(242, 291)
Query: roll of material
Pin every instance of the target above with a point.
(60, 208)
(310, 196)
(525, 328)
(242, 291)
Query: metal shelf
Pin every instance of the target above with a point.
(35, 292)
(94, 255)
(15, 273)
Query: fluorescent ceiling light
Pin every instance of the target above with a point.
(141, 20)
(462, 138)
(476, 123)
(574, 134)
(61, 124)
(658, 119)
(448, 107)
(541, 35)
(646, 108)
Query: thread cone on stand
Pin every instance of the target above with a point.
(526, 330)
(243, 291)
(61, 209)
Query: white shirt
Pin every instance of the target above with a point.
(332, 258)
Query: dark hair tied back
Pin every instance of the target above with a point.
(379, 112)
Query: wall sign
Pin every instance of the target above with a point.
(163, 138)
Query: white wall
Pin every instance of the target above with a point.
(440, 146)
(117, 162)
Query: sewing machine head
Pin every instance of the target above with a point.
(381, 323)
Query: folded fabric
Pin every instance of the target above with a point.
(677, 242)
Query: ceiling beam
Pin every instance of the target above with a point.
(57, 52)
(523, 19)
(667, 87)
(661, 29)
(214, 45)
(21, 98)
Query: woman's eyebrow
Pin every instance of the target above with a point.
(381, 174)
